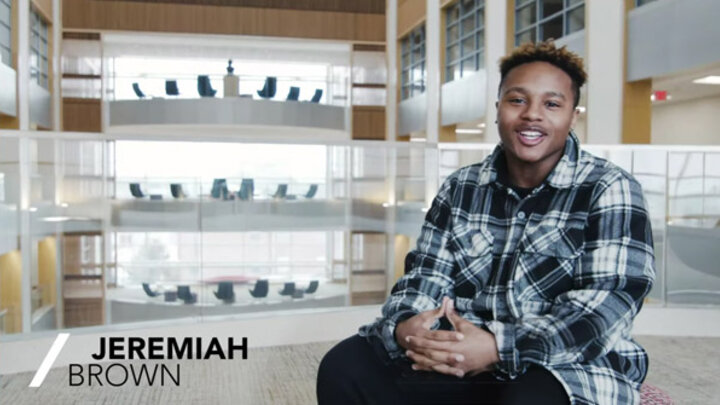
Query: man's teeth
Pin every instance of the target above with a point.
(531, 134)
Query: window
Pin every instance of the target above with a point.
(539, 20)
(639, 3)
(413, 63)
(5, 32)
(38, 49)
(465, 38)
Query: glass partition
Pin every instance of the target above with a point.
(111, 233)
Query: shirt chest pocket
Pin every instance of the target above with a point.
(472, 250)
(548, 261)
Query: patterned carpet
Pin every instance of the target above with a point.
(686, 368)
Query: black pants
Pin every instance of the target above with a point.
(356, 371)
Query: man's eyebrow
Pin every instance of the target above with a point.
(524, 91)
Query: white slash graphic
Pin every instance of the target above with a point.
(49, 360)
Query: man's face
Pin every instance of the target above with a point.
(535, 114)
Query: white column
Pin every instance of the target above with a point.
(56, 72)
(432, 92)
(495, 45)
(391, 136)
(23, 63)
(604, 32)
(23, 75)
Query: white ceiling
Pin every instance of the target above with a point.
(680, 86)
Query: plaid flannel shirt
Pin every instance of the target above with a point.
(556, 276)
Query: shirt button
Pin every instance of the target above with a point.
(521, 215)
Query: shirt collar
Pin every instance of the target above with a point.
(562, 175)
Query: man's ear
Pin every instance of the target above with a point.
(575, 115)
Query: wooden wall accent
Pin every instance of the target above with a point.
(402, 247)
(368, 122)
(637, 106)
(348, 6)
(47, 269)
(44, 7)
(510, 27)
(637, 112)
(199, 19)
(82, 114)
(10, 291)
(410, 14)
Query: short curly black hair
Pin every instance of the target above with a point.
(546, 51)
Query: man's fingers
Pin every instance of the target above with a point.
(445, 369)
(420, 359)
(419, 344)
(444, 335)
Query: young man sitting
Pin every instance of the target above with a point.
(527, 275)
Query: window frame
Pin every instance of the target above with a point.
(534, 30)
(412, 59)
(39, 62)
(6, 49)
(476, 56)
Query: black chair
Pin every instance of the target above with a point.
(171, 88)
(294, 94)
(317, 96)
(219, 189)
(136, 191)
(184, 293)
(138, 92)
(225, 292)
(148, 291)
(247, 189)
(205, 87)
(270, 88)
(281, 192)
(177, 191)
(312, 191)
(261, 289)
(288, 289)
(314, 284)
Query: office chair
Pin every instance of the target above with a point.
(136, 191)
(148, 291)
(281, 192)
(317, 96)
(294, 94)
(138, 92)
(314, 284)
(225, 292)
(219, 189)
(247, 189)
(288, 289)
(177, 191)
(171, 88)
(205, 87)
(270, 88)
(184, 293)
(260, 290)
(312, 191)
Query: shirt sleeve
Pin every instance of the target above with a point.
(428, 272)
(614, 274)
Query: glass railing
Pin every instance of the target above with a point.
(114, 234)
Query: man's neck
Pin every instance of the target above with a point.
(529, 175)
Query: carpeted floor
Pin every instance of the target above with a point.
(686, 368)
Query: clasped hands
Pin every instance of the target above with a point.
(466, 350)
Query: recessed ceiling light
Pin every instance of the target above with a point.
(468, 131)
(708, 80)
(481, 125)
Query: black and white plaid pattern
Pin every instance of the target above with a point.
(557, 276)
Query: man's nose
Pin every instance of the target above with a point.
(533, 112)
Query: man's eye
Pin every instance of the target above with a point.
(552, 104)
(516, 100)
